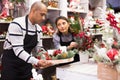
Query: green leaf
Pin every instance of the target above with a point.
(71, 54)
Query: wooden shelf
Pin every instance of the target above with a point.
(76, 10)
(51, 8)
(5, 22)
(2, 40)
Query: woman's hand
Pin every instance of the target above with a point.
(72, 45)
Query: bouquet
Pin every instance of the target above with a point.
(84, 41)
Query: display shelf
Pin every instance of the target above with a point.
(82, 7)
(51, 8)
(96, 34)
(76, 10)
(2, 40)
(5, 22)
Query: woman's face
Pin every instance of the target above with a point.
(62, 26)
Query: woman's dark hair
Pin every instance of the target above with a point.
(63, 18)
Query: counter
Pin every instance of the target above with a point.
(77, 71)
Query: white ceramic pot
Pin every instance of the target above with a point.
(84, 57)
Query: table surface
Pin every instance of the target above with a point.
(77, 71)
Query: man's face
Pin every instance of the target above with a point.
(40, 16)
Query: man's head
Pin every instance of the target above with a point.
(38, 12)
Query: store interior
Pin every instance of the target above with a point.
(98, 19)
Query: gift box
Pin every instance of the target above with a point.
(107, 72)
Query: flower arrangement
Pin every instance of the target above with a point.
(109, 56)
(56, 54)
(108, 62)
(85, 42)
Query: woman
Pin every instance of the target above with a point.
(63, 36)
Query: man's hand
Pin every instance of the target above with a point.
(44, 63)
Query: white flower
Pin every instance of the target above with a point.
(116, 57)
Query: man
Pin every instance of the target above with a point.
(23, 35)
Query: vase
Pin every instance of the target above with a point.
(84, 57)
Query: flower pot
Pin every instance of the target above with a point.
(118, 68)
(107, 72)
(84, 57)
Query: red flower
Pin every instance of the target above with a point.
(111, 18)
(44, 29)
(84, 41)
(112, 53)
(56, 52)
(39, 57)
(111, 15)
(102, 45)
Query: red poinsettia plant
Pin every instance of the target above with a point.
(113, 21)
(84, 41)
